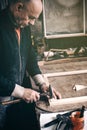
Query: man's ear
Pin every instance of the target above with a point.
(19, 6)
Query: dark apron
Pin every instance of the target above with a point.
(21, 116)
(3, 109)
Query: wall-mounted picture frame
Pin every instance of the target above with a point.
(63, 18)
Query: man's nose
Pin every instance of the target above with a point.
(32, 22)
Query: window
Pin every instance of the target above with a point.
(63, 18)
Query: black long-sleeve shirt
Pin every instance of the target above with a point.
(14, 58)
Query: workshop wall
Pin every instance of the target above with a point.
(62, 17)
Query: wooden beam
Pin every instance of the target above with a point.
(65, 73)
(66, 60)
(68, 101)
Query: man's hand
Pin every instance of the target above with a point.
(30, 95)
(55, 93)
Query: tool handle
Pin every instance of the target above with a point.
(50, 90)
(50, 123)
(11, 102)
(82, 111)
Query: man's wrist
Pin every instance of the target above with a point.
(41, 80)
(42, 85)
(18, 91)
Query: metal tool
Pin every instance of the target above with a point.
(46, 96)
(50, 92)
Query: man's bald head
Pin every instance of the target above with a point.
(15, 1)
(35, 6)
(25, 12)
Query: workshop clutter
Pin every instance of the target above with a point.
(77, 119)
(53, 54)
(72, 120)
(78, 122)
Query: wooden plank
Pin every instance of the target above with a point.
(65, 73)
(65, 101)
(66, 60)
(63, 35)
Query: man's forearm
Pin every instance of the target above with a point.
(39, 80)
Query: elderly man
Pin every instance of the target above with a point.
(17, 62)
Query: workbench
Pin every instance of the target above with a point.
(63, 75)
